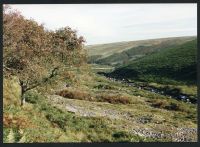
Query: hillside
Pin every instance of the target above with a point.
(94, 109)
(174, 64)
(51, 94)
(122, 52)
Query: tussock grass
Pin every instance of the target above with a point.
(114, 98)
(11, 91)
(75, 94)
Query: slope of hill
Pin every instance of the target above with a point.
(94, 109)
(174, 64)
(121, 52)
(49, 88)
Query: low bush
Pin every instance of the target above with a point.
(114, 98)
(173, 106)
(101, 86)
(145, 119)
(11, 91)
(55, 116)
(122, 136)
(75, 94)
(69, 76)
(33, 97)
(164, 104)
(119, 134)
(159, 103)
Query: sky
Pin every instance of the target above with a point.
(106, 23)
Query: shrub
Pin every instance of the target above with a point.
(122, 136)
(32, 97)
(145, 119)
(119, 134)
(55, 116)
(101, 86)
(164, 104)
(75, 94)
(68, 75)
(115, 98)
(159, 103)
(173, 106)
(11, 91)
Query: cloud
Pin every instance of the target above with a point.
(103, 23)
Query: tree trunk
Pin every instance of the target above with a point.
(25, 88)
(23, 100)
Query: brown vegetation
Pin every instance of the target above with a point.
(163, 104)
(19, 122)
(114, 98)
(34, 54)
(75, 94)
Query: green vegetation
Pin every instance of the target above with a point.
(58, 125)
(173, 65)
(50, 93)
(91, 129)
(121, 53)
(36, 55)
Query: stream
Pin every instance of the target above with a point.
(172, 93)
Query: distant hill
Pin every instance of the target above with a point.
(173, 64)
(120, 53)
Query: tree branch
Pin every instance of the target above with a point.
(53, 74)
(7, 68)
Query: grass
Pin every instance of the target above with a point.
(114, 98)
(11, 91)
(107, 53)
(57, 125)
(91, 96)
(75, 94)
(184, 89)
(92, 129)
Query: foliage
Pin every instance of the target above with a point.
(75, 94)
(177, 64)
(114, 98)
(32, 97)
(93, 129)
(35, 54)
(11, 91)
(120, 53)
(46, 60)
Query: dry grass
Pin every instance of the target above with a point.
(114, 98)
(19, 122)
(68, 75)
(164, 104)
(11, 91)
(75, 94)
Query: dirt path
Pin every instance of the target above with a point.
(132, 124)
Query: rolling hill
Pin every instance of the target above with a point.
(173, 64)
(119, 53)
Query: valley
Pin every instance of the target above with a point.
(56, 89)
